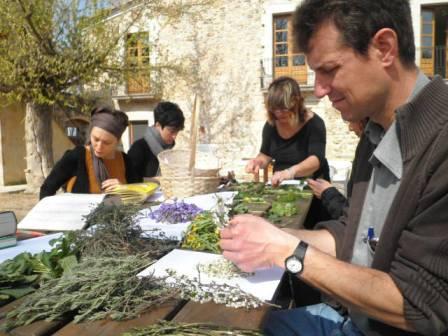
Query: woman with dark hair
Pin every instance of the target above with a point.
(98, 166)
(295, 138)
(168, 122)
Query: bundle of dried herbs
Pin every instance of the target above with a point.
(220, 293)
(203, 233)
(97, 288)
(113, 232)
(223, 269)
(165, 328)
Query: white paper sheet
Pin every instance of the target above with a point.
(33, 245)
(177, 230)
(62, 212)
(262, 284)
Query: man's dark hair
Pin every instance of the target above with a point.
(358, 21)
(169, 114)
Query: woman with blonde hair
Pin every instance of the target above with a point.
(293, 137)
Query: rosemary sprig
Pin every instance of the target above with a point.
(165, 328)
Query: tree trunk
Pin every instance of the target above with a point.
(39, 145)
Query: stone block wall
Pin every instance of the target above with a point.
(216, 56)
(220, 52)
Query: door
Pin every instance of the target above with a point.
(137, 129)
(287, 60)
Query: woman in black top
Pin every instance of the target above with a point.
(293, 136)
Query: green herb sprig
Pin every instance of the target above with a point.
(165, 328)
(203, 233)
(97, 288)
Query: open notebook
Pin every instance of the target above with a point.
(62, 212)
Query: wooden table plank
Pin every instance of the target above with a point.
(222, 315)
(112, 328)
(39, 328)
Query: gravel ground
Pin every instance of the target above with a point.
(19, 202)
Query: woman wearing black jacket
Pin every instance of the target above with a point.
(98, 166)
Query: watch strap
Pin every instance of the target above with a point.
(300, 250)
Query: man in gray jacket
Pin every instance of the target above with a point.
(386, 261)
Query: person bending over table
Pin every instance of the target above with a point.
(295, 138)
(386, 259)
(98, 166)
(169, 120)
(332, 199)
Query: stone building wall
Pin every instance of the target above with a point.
(341, 143)
(220, 52)
(12, 143)
(216, 56)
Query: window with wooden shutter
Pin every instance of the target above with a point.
(137, 60)
(287, 60)
(427, 42)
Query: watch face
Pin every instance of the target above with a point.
(293, 265)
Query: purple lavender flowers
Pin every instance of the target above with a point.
(177, 212)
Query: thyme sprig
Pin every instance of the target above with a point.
(97, 288)
(165, 328)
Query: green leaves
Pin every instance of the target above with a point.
(25, 272)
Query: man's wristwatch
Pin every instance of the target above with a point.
(294, 263)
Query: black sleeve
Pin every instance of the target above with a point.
(63, 170)
(317, 138)
(334, 202)
(136, 160)
(266, 140)
(131, 175)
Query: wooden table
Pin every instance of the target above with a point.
(179, 311)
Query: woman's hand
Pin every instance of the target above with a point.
(253, 167)
(109, 184)
(318, 186)
(281, 176)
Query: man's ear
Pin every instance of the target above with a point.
(385, 43)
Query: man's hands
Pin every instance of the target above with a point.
(318, 186)
(253, 243)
